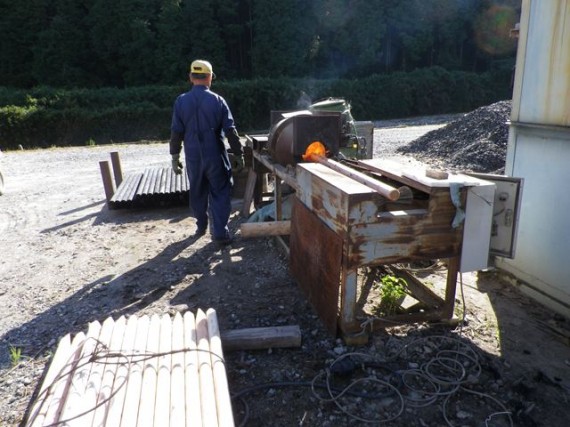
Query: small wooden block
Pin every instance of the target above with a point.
(435, 174)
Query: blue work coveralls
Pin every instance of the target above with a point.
(203, 117)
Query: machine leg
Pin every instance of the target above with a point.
(278, 199)
(350, 331)
(451, 286)
(249, 193)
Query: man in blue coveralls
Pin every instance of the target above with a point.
(201, 118)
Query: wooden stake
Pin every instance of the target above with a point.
(177, 412)
(135, 373)
(76, 403)
(163, 396)
(149, 375)
(107, 180)
(261, 229)
(385, 190)
(122, 376)
(192, 378)
(262, 338)
(207, 390)
(117, 170)
(223, 402)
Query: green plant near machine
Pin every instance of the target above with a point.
(90, 142)
(15, 355)
(392, 291)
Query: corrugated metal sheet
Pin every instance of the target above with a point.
(153, 187)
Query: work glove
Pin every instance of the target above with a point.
(176, 164)
(238, 163)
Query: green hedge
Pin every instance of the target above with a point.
(45, 116)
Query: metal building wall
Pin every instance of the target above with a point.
(539, 152)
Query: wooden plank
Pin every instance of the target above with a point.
(177, 409)
(53, 391)
(133, 394)
(162, 404)
(207, 391)
(418, 289)
(262, 338)
(223, 401)
(122, 373)
(75, 404)
(262, 229)
(248, 194)
(149, 379)
(316, 267)
(192, 378)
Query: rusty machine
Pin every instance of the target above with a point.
(349, 213)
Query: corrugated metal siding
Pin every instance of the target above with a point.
(153, 187)
(544, 61)
(539, 152)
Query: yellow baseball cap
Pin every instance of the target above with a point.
(199, 66)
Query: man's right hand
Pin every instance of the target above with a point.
(176, 164)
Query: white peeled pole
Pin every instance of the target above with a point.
(383, 189)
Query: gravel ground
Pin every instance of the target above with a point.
(67, 260)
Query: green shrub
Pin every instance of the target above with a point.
(44, 116)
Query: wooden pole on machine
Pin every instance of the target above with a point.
(315, 153)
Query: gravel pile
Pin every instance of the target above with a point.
(476, 141)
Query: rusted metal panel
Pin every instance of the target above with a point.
(403, 238)
(374, 244)
(377, 231)
(338, 200)
(316, 267)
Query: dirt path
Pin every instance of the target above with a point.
(66, 260)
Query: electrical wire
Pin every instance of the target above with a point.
(450, 366)
(503, 411)
(335, 398)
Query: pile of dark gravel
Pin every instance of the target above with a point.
(475, 142)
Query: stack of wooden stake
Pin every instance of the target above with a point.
(156, 371)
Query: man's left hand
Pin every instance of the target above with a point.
(176, 164)
(238, 163)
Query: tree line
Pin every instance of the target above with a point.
(129, 43)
